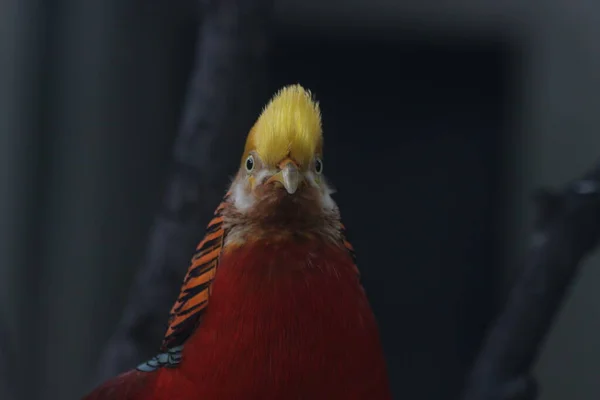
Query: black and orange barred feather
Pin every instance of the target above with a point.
(196, 287)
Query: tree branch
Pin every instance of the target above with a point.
(225, 93)
(567, 229)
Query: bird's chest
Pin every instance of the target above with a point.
(283, 318)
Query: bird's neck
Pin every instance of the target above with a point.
(281, 225)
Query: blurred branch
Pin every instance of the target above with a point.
(224, 95)
(567, 229)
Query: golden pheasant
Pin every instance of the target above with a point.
(271, 306)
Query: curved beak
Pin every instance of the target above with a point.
(289, 176)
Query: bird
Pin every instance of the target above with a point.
(272, 305)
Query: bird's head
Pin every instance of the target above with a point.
(281, 172)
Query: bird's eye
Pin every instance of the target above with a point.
(318, 165)
(249, 163)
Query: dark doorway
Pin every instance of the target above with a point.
(413, 129)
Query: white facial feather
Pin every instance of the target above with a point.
(327, 202)
(243, 199)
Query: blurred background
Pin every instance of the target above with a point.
(440, 118)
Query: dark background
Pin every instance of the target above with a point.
(439, 120)
(414, 153)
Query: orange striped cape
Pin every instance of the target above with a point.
(193, 296)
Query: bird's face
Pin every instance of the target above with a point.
(287, 180)
(281, 171)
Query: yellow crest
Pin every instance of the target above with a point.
(289, 126)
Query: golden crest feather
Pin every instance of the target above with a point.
(289, 126)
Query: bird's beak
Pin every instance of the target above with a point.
(289, 176)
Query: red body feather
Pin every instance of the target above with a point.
(287, 320)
